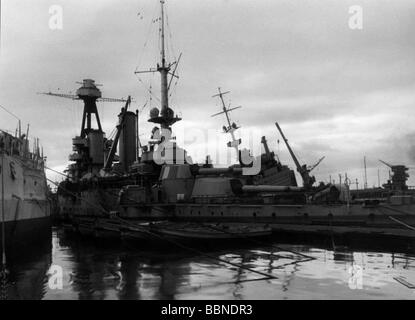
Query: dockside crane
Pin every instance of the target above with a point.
(303, 170)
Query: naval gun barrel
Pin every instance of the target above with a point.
(218, 171)
(239, 188)
(267, 188)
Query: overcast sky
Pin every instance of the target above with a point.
(336, 92)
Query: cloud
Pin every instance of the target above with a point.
(335, 91)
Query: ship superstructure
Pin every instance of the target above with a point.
(25, 207)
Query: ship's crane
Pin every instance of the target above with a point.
(311, 168)
(386, 164)
(90, 95)
(303, 170)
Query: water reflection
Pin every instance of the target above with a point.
(111, 270)
(27, 267)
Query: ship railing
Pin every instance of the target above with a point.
(15, 146)
(9, 144)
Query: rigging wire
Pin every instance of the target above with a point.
(55, 171)
(9, 112)
(148, 89)
(112, 134)
(150, 28)
(173, 53)
(170, 38)
(154, 18)
(170, 51)
(151, 90)
(3, 223)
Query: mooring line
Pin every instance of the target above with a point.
(178, 244)
(264, 244)
(53, 170)
(397, 220)
(3, 221)
(3, 285)
(3, 272)
(142, 229)
(403, 281)
(308, 258)
(402, 223)
(79, 197)
(133, 200)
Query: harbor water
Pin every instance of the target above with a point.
(71, 267)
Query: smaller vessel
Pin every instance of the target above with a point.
(212, 231)
(139, 232)
(165, 232)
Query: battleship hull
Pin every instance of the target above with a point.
(319, 219)
(212, 200)
(381, 219)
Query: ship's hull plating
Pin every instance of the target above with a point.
(26, 206)
(381, 219)
(20, 233)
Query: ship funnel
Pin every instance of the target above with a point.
(128, 140)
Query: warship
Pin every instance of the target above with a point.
(24, 192)
(104, 191)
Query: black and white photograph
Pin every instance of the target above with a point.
(191, 151)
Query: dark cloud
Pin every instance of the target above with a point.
(336, 92)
